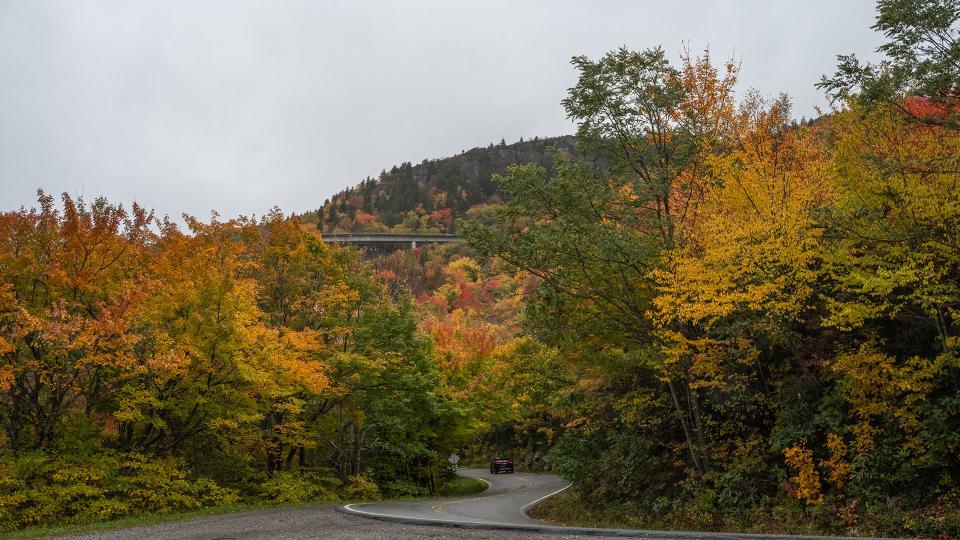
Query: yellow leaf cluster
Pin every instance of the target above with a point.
(880, 389)
(807, 480)
(838, 469)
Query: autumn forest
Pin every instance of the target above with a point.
(704, 313)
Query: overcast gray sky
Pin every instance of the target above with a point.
(236, 106)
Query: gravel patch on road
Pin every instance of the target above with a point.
(305, 522)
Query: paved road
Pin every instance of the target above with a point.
(494, 514)
(501, 504)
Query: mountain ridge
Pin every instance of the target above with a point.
(431, 195)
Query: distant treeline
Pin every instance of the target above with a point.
(430, 196)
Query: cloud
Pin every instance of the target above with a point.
(238, 106)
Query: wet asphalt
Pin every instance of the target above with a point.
(496, 513)
(501, 503)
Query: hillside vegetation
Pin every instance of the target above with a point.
(745, 323)
(431, 196)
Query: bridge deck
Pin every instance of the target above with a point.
(388, 238)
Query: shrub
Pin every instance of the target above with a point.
(298, 487)
(404, 488)
(42, 489)
(360, 487)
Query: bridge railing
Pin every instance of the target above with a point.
(389, 238)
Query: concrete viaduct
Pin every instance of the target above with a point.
(389, 238)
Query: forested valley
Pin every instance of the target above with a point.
(705, 314)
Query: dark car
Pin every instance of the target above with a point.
(501, 464)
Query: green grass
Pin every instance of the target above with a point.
(566, 508)
(462, 486)
(135, 521)
(784, 516)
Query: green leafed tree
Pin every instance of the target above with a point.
(921, 58)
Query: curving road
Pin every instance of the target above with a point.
(496, 514)
(503, 503)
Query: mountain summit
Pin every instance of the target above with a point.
(429, 196)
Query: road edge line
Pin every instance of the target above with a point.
(584, 531)
(529, 505)
(546, 528)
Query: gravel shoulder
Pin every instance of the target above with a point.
(307, 522)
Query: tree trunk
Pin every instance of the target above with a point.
(682, 415)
